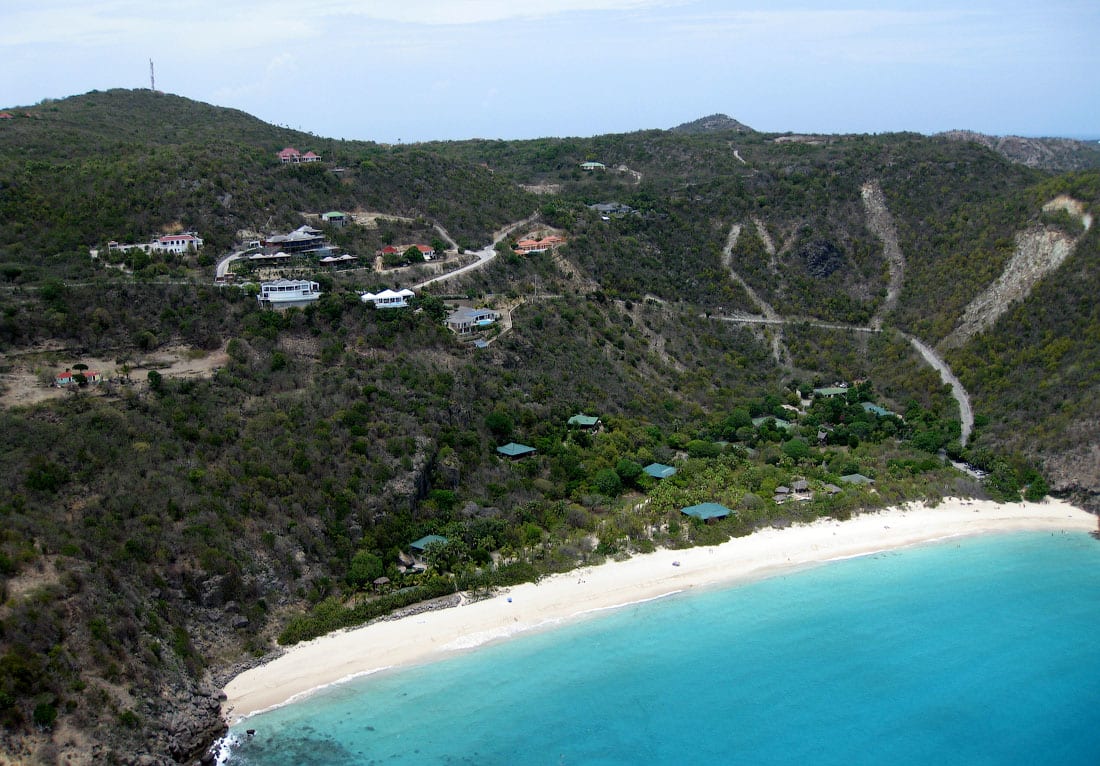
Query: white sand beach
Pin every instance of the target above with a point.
(430, 636)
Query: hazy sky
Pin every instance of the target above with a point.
(410, 70)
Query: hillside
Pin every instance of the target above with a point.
(160, 529)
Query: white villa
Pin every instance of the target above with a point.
(388, 299)
(179, 244)
(285, 293)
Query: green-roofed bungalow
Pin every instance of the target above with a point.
(659, 470)
(856, 478)
(584, 421)
(515, 451)
(423, 543)
(831, 391)
(707, 511)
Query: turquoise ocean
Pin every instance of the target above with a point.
(983, 650)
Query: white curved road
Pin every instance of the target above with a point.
(484, 255)
(966, 413)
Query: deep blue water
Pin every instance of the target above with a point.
(981, 651)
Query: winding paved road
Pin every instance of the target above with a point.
(484, 255)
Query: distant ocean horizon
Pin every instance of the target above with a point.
(978, 651)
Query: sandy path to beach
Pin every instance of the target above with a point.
(433, 635)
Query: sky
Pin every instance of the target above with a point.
(417, 70)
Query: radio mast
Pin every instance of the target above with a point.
(152, 79)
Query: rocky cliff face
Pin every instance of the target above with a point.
(1043, 153)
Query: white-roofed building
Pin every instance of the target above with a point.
(388, 299)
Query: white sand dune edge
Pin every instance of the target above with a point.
(432, 635)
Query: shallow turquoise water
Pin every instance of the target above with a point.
(982, 651)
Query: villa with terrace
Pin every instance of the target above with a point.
(466, 320)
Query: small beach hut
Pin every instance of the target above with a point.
(659, 470)
(707, 511)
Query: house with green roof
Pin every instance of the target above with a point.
(422, 544)
(707, 511)
(514, 451)
(856, 478)
(659, 470)
(335, 218)
(831, 391)
(586, 422)
(590, 166)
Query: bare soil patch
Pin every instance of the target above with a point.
(27, 376)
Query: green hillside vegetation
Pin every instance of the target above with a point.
(1037, 372)
(155, 533)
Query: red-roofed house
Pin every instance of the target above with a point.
(290, 156)
(68, 378)
(525, 246)
(310, 157)
(6, 116)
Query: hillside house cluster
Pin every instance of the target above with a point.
(304, 239)
(531, 245)
(291, 156)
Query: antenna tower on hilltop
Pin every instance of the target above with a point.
(152, 79)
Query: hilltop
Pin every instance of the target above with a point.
(243, 476)
(715, 123)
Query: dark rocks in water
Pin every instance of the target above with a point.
(196, 723)
(821, 258)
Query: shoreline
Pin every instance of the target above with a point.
(429, 636)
